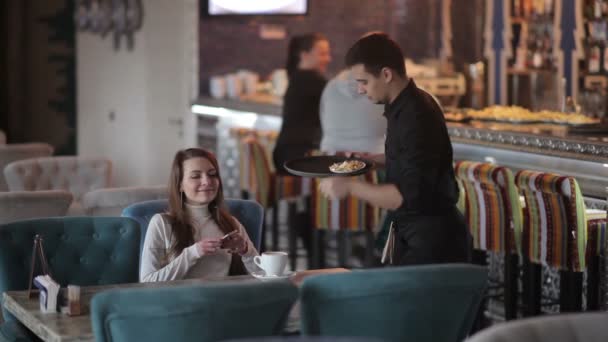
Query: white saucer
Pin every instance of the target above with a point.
(262, 275)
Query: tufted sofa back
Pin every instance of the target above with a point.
(12, 152)
(80, 250)
(111, 201)
(23, 205)
(75, 174)
(249, 213)
(205, 313)
(394, 303)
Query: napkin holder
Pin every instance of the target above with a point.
(73, 301)
(49, 291)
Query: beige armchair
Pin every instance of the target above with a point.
(77, 175)
(22, 205)
(111, 202)
(12, 152)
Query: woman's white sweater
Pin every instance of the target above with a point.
(158, 265)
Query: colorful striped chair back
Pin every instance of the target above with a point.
(349, 213)
(240, 135)
(597, 238)
(268, 140)
(491, 206)
(262, 177)
(461, 195)
(555, 228)
(266, 186)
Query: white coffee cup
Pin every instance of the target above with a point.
(217, 87)
(234, 86)
(249, 81)
(279, 81)
(273, 263)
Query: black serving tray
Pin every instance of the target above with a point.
(318, 166)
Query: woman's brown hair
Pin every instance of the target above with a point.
(182, 229)
(297, 45)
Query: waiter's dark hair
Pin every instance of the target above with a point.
(297, 45)
(376, 51)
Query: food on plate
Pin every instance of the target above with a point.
(347, 166)
(522, 115)
(450, 116)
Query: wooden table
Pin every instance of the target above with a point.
(58, 327)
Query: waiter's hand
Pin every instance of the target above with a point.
(336, 187)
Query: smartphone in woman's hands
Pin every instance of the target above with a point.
(224, 239)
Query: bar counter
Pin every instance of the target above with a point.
(554, 139)
(545, 147)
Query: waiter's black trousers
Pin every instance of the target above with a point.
(432, 239)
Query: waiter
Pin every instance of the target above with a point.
(420, 190)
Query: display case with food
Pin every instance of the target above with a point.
(520, 115)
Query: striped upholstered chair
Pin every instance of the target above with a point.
(597, 249)
(266, 139)
(346, 217)
(555, 234)
(492, 211)
(245, 177)
(269, 188)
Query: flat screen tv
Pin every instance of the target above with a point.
(255, 7)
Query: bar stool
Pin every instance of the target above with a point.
(345, 218)
(267, 140)
(493, 214)
(597, 245)
(555, 234)
(245, 178)
(269, 188)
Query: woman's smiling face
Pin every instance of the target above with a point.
(200, 182)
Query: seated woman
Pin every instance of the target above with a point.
(186, 242)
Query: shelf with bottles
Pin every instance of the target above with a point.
(595, 10)
(596, 30)
(527, 10)
(532, 21)
(595, 61)
(595, 41)
(532, 42)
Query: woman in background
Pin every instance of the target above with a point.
(307, 59)
(186, 241)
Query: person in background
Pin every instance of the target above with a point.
(186, 241)
(307, 58)
(420, 189)
(349, 121)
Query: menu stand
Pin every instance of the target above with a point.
(38, 251)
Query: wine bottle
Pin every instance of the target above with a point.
(594, 59)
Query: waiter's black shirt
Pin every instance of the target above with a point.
(419, 155)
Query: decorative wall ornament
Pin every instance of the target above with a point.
(122, 18)
(445, 50)
(569, 33)
(497, 38)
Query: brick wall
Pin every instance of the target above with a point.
(230, 43)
